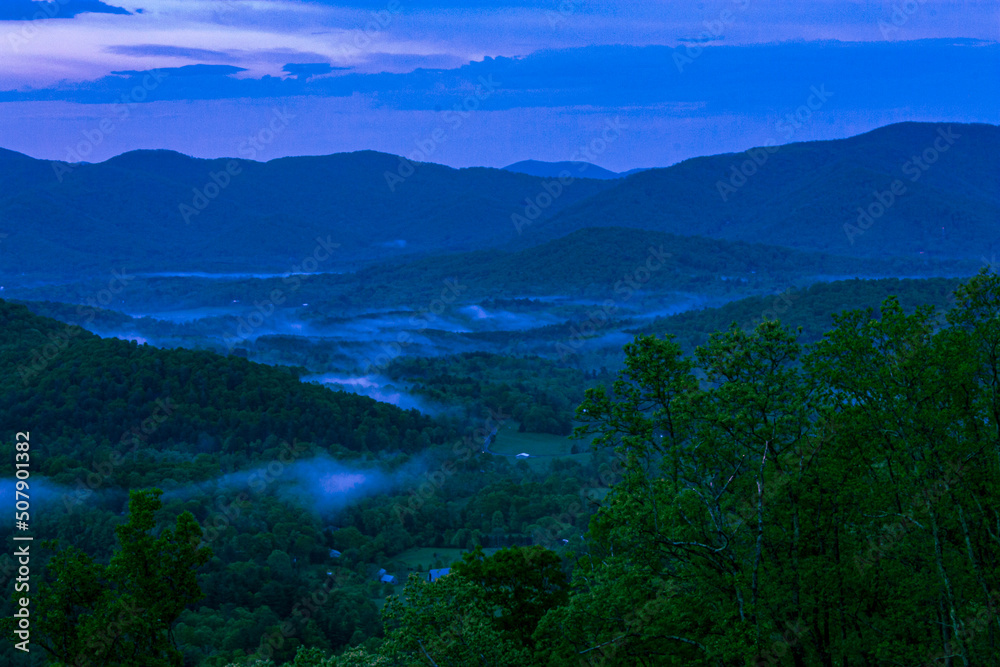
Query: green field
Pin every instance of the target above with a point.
(510, 442)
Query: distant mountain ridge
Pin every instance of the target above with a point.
(163, 211)
(822, 196)
(574, 169)
(594, 261)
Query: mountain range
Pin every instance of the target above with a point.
(575, 169)
(915, 191)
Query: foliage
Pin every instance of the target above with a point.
(483, 611)
(774, 496)
(536, 392)
(833, 506)
(123, 612)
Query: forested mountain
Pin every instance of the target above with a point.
(555, 169)
(87, 394)
(770, 466)
(812, 308)
(598, 262)
(143, 209)
(802, 195)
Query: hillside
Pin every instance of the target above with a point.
(142, 210)
(555, 169)
(802, 195)
(595, 263)
(82, 394)
(811, 308)
(607, 262)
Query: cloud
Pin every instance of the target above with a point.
(545, 105)
(604, 79)
(376, 36)
(187, 71)
(192, 82)
(309, 70)
(154, 50)
(30, 10)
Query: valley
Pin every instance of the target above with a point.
(340, 405)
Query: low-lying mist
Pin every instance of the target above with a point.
(379, 388)
(320, 484)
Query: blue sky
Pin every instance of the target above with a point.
(483, 83)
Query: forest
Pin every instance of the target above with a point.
(757, 497)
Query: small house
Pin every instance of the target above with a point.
(434, 575)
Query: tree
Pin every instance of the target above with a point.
(520, 584)
(483, 612)
(675, 572)
(446, 622)
(121, 614)
(833, 507)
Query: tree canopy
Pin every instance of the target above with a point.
(121, 613)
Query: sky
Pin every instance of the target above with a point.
(484, 83)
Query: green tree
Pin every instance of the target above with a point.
(483, 612)
(121, 614)
(520, 584)
(833, 507)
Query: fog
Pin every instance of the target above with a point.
(683, 304)
(188, 314)
(379, 388)
(352, 346)
(321, 484)
(326, 485)
(505, 320)
(41, 493)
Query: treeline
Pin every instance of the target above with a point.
(811, 308)
(537, 392)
